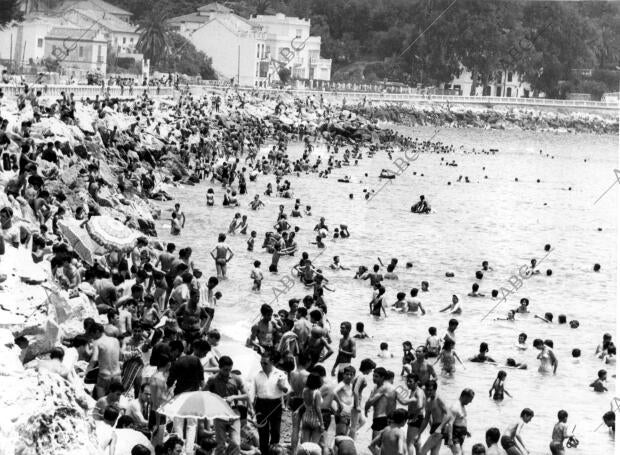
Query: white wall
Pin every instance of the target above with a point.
(232, 55)
(29, 33)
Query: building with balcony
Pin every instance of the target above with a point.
(252, 51)
(505, 84)
(288, 43)
(76, 49)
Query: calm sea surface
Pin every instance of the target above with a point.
(495, 219)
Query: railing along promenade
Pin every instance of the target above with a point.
(90, 91)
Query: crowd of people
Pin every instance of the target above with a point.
(155, 339)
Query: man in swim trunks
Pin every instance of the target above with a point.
(415, 413)
(421, 206)
(414, 302)
(220, 255)
(435, 413)
(421, 368)
(382, 399)
(456, 428)
(511, 441)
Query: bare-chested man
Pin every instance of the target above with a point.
(382, 399)
(359, 384)
(436, 414)
(421, 368)
(415, 402)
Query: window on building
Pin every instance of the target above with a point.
(509, 77)
(81, 51)
(298, 33)
(131, 40)
(40, 42)
(498, 77)
(269, 49)
(258, 51)
(509, 92)
(498, 91)
(124, 40)
(526, 93)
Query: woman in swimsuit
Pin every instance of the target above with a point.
(311, 421)
(548, 360)
(376, 304)
(497, 389)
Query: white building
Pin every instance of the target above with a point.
(288, 41)
(91, 27)
(505, 84)
(251, 52)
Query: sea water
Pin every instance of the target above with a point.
(497, 219)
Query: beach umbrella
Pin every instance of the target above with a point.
(246, 360)
(111, 233)
(127, 439)
(201, 405)
(77, 237)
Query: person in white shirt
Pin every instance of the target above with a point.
(139, 409)
(270, 386)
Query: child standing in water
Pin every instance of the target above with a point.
(210, 198)
(234, 224)
(251, 241)
(497, 389)
(257, 276)
(243, 225)
(433, 343)
(447, 356)
(559, 434)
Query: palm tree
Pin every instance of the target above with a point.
(10, 10)
(154, 41)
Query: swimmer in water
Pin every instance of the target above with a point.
(175, 225)
(599, 384)
(497, 390)
(376, 304)
(414, 303)
(180, 215)
(510, 316)
(256, 203)
(424, 287)
(447, 358)
(482, 356)
(454, 307)
(336, 265)
(523, 304)
(474, 291)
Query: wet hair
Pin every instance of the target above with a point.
(401, 295)
(453, 322)
(475, 287)
(494, 293)
(479, 274)
(139, 449)
(57, 353)
(523, 335)
(597, 267)
(484, 347)
(576, 352)
(549, 343)
(398, 416)
(266, 309)
(562, 319)
(549, 317)
(527, 412)
(111, 413)
(116, 386)
(383, 346)
(468, 393)
(432, 331)
(382, 372)
(225, 361)
(493, 435)
(367, 365)
(602, 374)
(314, 381)
(562, 415)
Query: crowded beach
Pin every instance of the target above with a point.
(117, 340)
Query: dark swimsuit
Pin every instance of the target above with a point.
(416, 421)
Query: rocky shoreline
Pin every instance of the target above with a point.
(459, 116)
(43, 415)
